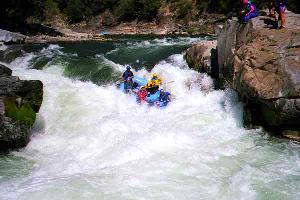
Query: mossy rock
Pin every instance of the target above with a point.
(24, 114)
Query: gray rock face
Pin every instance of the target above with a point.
(10, 37)
(262, 64)
(198, 56)
(232, 36)
(20, 100)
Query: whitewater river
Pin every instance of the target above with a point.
(91, 141)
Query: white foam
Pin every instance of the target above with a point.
(3, 47)
(94, 142)
(163, 42)
(115, 66)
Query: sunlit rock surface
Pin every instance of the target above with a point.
(263, 65)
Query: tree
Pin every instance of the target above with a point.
(126, 10)
(76, 11)
(147, 9)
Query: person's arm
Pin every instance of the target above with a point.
(250, 10)
(131, 75)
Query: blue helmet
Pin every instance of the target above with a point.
(128, 68)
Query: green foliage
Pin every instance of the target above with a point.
(294, 5)
(137, 9)
(126, 10)
(203, 6)
(19, 12)
(147, 9)
(24, 114)
(184, 7)
(50, 10)
(77, 11)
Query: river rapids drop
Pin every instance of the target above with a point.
(91, 141)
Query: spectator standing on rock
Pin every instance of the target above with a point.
(249, 11)
(271, 6)
(280, 7)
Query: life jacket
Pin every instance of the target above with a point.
(142, 95)
(127, 75)
(249, 8)
(164, 97)
(280, 5)
(154, 82)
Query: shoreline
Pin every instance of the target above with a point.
(41, 39)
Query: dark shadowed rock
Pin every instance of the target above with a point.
(20, 100)
(5, 71)
(13, 134)
(11, 53)
(295, 135)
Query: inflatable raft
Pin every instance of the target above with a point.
(159, 98)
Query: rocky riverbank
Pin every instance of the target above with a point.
(20, 100)
(99, 29)
(263, 65)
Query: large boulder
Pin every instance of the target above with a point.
(199, 56)
(263, 65)
(20, 100)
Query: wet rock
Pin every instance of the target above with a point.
(20, 100)
(5, 71)
(13, 134)
(11, 53)
(10, 37)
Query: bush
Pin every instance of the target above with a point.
(126, 10)
(50, 10)
(76, 11)
(15, 13)
(147, 9)
(294, 5)
(137, 9)
(184, 7)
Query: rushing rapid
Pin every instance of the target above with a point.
(91, 141)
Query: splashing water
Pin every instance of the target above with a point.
(91, 141)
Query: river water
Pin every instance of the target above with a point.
(91, 141)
